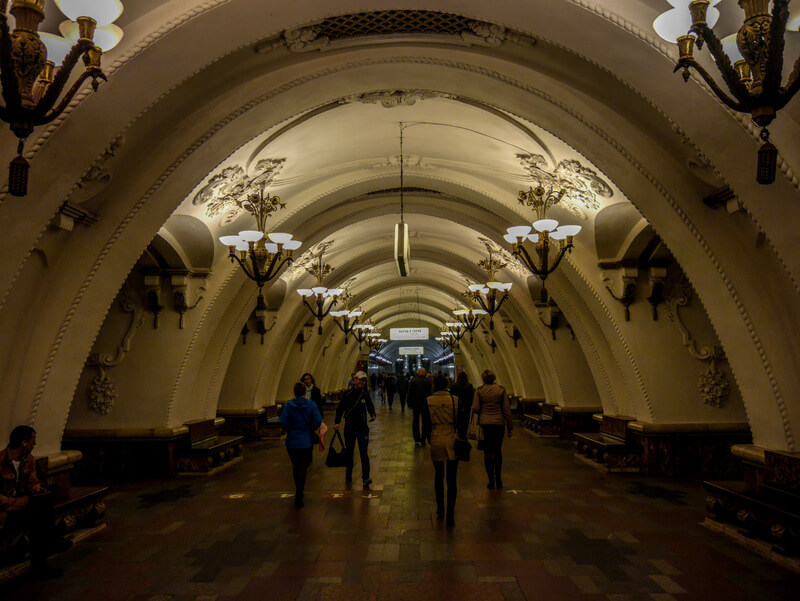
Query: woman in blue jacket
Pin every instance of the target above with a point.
(300, 418)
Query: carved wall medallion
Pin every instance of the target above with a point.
(223, 192)
(510, 261)
(584, 187)
(101, 392)
(714, 386)
(301, 264)
(392, 98)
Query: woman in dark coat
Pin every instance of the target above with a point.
(464, 393)
(300, 418)
(312, 393)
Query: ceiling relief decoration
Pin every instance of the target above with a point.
(409, 161)
(393, 98)
(387, 25)
(506, 257)
(225, 191)
(301, 264)
(584, 188)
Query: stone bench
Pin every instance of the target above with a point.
(207, 451)
(609, 450)
(765, 507)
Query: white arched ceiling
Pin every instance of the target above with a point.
(189, 109)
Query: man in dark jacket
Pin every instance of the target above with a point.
(25, 504)
(402, 391)
(391, 388)
(354, 407)
(419, 389)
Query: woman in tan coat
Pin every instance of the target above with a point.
(493, 409)
(443, 437)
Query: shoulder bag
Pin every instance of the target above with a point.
(461, 447)
(336, 458)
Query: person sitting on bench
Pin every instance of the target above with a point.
(25, 505)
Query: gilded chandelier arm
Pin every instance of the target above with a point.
(777, 29)
(272, 271)
(727, 100)
(7, 76)
(560, 256)
(243, 265)
(526, 260)
(41, 116)
(729, 75)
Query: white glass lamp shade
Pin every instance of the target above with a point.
(558, 235)
(292, 244)
(304, 292)
(545, 225)
(271, 247)
(793, 24)
(533, 238)
(479, 312)
(280, 238)
(319, 290)
(460, 312)
(106, 37)
(519, 231)
(731, 48)
(475, 287)
(335, 291)
(507, 286)
(251, 235)
(677, 21)
(57, 47)
(510, 238)
(356, 313)
(570, 230)
(104, 12)
(495, 285)
(241, 245)
(229, 240)
(451, 324)
(339, 313)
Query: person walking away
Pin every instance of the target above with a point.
(419, 389)
(382, 385)
(354, 407)
(442, 406)
(391, 388)
(465, 394)
(493, 409)
(300, 418)
(25, 505)
(402, 391)
(313, 393)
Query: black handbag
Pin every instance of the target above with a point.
(336, 458)
(461, 447)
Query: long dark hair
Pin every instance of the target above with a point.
(303, 377)
(462, 379)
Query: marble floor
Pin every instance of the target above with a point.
(560, 530)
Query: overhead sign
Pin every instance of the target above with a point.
(412, 350)
(408, 334)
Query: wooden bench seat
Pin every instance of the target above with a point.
(609, 449)
(207, 452)
(543, 420)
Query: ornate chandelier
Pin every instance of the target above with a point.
(361, 332)
(469, 320)
(548, 230)
(325, 298)
(35, 68)
(488, 295)
(753, 81)
(345, 319)
(374, 341)
(260, 260)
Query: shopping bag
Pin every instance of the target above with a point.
(336, 458)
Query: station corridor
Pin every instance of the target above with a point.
(559, 531)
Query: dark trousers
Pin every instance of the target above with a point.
(450, 468)
(351, 435)
(38, 521)
(390, 396)
(421, 423)
(402, 396)
(492, 451)
(301, 460)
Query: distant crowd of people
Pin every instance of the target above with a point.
(442, 412)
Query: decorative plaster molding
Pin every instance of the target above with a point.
(393, 98)
(101, 392)
(713, 385)
(226, 189)
(98, 176)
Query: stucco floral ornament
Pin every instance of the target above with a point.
(102, 393)
(713, 385)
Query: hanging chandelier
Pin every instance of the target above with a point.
(261, 260)
(35, 67)
(468, 319)
(374, 341)
(324, 298)
(753, 79)
(492, 295)
(547, 231)
(402, 251)
(345, 319)
(361, 332)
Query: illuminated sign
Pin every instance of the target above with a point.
(408, 334)
(411, 350)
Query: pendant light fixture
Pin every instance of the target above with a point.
(401, 249)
